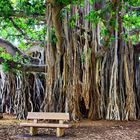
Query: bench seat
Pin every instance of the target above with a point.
(43, 125)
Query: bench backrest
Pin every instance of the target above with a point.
(48, 116)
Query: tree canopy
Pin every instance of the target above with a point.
(24, 20)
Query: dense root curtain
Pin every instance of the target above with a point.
(81, 82)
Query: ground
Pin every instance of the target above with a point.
(83, 130)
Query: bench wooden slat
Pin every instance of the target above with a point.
(48, 116)
(41, 125)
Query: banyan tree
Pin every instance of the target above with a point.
(79, 57)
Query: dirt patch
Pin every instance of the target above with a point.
(84, 130)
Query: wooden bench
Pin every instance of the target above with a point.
(37, 116)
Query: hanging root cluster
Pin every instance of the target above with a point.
(84, 79)
(20, 93)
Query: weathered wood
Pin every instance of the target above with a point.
(42, 125)
(35, 121)
(48, 116)
(33, 131)
(60, 131)
(36, 116)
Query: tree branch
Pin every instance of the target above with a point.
(19, 29)
(24, 34)
(134, 7)
(22, 14)
(25, 67)
(11, 49)
(134, 31)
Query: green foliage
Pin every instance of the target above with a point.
(5, 67)
(72, 20)
(6, 8)
(1, 49)
(94, 16)
(5, 55)
(52, 37)
(131, 20)
(66, 2)
(22, 46)
(30, 6)
(91, 1)
(24, 26)
(133, 2)
(8, 61)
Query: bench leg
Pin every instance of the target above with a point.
(59, 132)
(33, 131)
